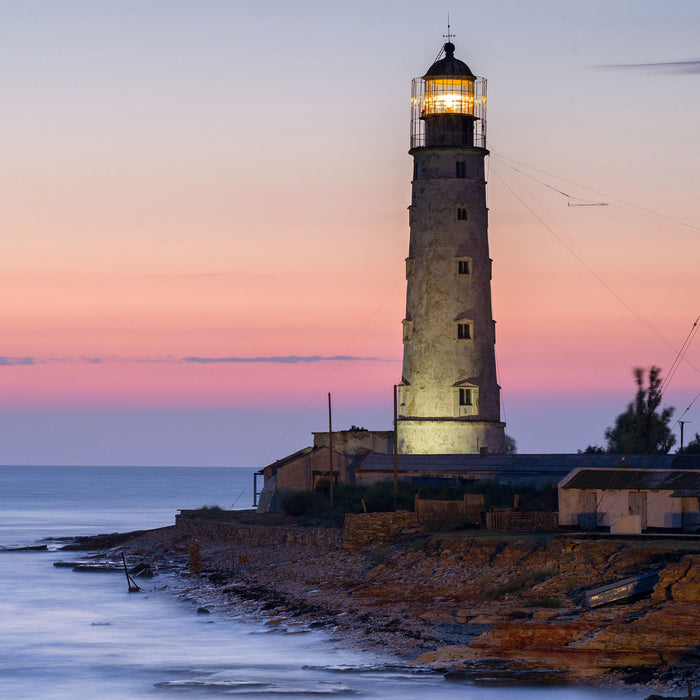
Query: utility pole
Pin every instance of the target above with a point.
(396, 449)
(330, 447)
(682, 423)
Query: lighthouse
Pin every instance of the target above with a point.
(449, 398)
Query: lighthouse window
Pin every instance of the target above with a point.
(464, 266)
(465, 397)
(410, 267)
(461, 169)
(462, 214)
(464, 331)
(407, 330)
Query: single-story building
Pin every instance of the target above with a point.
(309, 469)
(631, 499)
(365, 458)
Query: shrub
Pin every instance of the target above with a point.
(304, 503)
(348, 498)
(517, 585)
(545, 602)
(209, 511)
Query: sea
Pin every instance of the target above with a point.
(68, 635)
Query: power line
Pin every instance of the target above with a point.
(332, 370)
(592, 271)
(590, 189)
(680, 356)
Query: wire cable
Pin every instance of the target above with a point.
(332, 370)
(590, 189)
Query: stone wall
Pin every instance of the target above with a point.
(353, 442)
(366, 529)
(434, 512)
(222, 533)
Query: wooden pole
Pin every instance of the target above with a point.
(330, 446)
(682, 423)
(133, 588)
(396, 448)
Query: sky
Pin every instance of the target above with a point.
(203, 218)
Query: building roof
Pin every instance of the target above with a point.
(682, 482)
(523, 463)
(289, 458)
(449, 66)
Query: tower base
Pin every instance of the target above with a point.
(445, 436)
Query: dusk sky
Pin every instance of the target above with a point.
(204, 218)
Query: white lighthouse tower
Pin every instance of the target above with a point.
(449, 397)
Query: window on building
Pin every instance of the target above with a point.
(407, 330)
(464, 266)
(461, 170)
(466, 401)
(462, 213)
(464, 331)
(410, 267)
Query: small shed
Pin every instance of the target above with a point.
(630, 500)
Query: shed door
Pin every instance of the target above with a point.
(638, 505)
(588, 510)
(689, 513)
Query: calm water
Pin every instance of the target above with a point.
(70, 635)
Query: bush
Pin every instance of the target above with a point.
(530, 496)
(545, 602)
(207, 512)
(304, 503)
(517, 585)
(379, 498)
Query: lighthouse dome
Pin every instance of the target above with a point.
(449, 66)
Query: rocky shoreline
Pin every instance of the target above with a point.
(489, 608)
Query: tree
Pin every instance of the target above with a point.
(511, 446)
(592, 450)
(643, 428)
(692, 448)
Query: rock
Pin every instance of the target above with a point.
(203, 611)
(484, 620)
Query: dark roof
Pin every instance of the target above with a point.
(536, 463)
(290, 458)
(686, 493)
(449, 66)
(686, 461)
(624, 479)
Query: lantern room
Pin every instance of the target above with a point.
(448, 105)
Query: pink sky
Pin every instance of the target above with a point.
(169, 193)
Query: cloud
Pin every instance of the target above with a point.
(281, 359)
(263, 359)
(666, 67)
(5, 361)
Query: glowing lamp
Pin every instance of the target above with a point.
(446, 102)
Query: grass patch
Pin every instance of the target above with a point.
(208, 512)
(517, 585)
(379, 556)
(545, 602)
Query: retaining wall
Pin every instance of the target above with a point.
(222, 533)
(365, 529)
